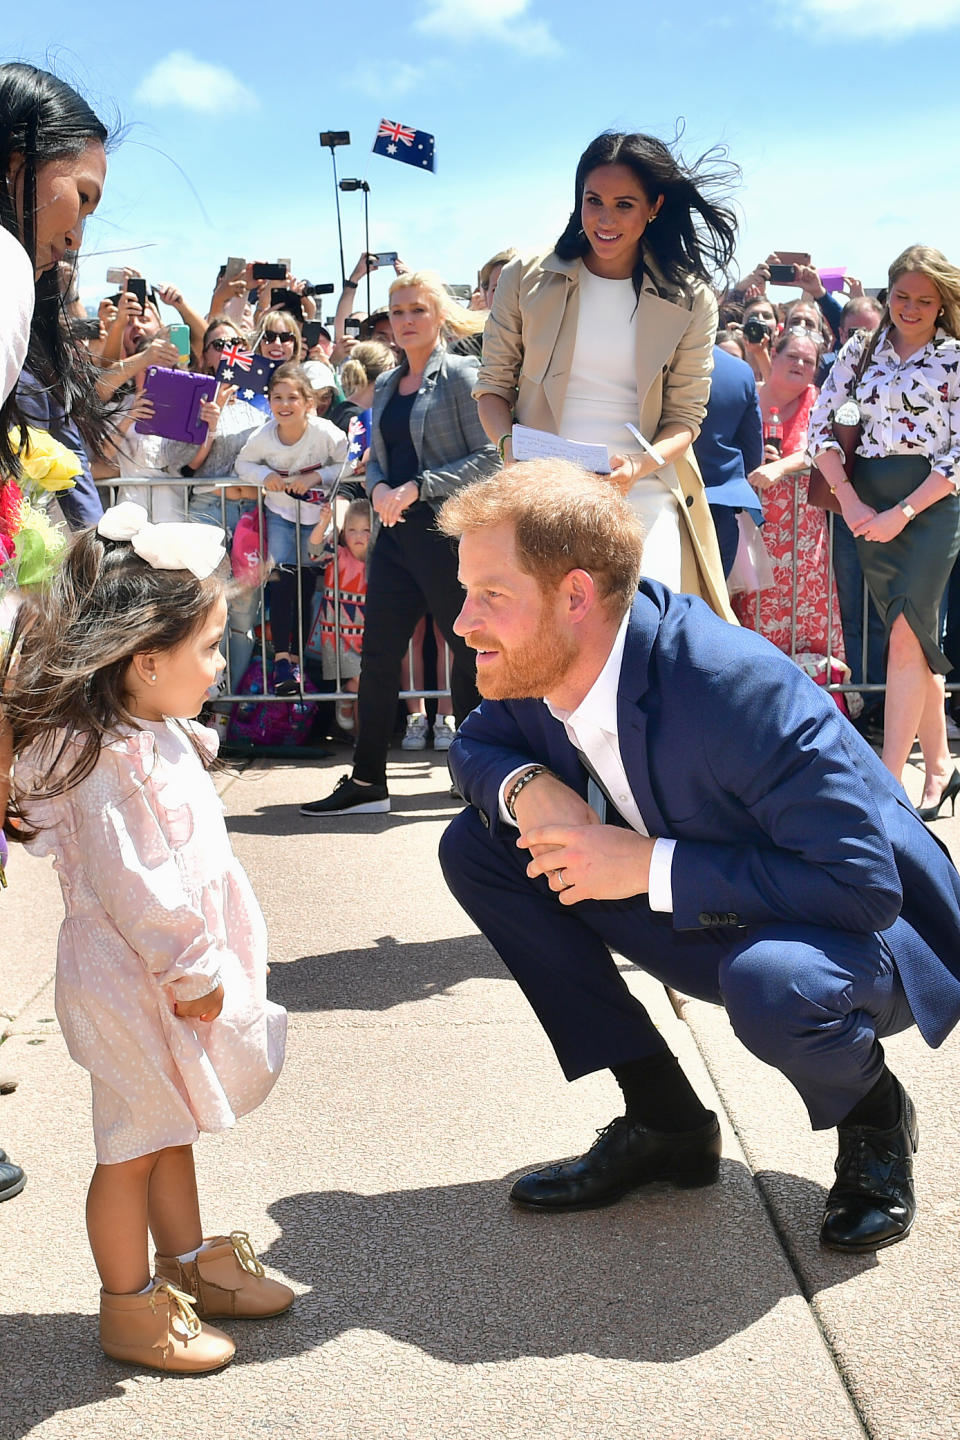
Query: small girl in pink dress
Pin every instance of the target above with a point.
(162, 956)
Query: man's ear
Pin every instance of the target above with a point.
(580, 594)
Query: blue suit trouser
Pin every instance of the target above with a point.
(808, 1000)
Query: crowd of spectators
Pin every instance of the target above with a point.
(792, 575)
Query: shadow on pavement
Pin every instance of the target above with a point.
(273, 820)
(460, 1274)
(388, 973)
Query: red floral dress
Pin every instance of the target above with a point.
(797, 542)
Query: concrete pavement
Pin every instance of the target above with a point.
(375, 1177)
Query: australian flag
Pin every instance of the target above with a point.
(250, 373)
(409, 146)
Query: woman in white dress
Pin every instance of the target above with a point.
(617, 325)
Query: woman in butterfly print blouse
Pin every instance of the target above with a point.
(901, 502)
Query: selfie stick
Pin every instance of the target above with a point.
(362, 185)
(330, 139)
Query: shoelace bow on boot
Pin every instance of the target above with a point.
(244, 1251)
(183, 1304)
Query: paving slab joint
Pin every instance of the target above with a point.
(678, 1003)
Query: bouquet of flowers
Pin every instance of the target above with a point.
(30, 546)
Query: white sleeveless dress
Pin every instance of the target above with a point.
(602, 396)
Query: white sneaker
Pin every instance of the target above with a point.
(415, 737)
(443, 732)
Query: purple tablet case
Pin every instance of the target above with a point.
(177, 396)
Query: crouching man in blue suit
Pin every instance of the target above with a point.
(644, 778)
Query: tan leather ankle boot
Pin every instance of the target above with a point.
(227, 1279)
(160, 1329)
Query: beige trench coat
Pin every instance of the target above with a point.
(528, 348)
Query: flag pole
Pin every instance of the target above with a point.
(330, 139)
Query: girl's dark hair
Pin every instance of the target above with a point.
(43, 119)
(294, 374)
(63, 673)
(692, 238)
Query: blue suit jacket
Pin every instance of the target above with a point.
(730, 443)
(780, 810)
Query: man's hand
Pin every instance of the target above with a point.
(590, 862)
(545, 800)
(206, 1007)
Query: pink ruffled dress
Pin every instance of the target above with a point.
(158, 909)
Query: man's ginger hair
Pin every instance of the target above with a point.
(564, 519)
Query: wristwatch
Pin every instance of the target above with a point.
(907, 509)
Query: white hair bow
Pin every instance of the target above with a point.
(171, 545)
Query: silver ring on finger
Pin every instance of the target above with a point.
(563, 885)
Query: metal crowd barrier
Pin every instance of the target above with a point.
(231, 694)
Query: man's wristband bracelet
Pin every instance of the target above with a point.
(519, 782)
(350, 284)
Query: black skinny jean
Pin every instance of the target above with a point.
(413, 572)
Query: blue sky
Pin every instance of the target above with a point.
(842, 114)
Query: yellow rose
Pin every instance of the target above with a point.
(46, 462)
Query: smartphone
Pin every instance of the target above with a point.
(782, 274)
(385, 257)
(462, 292)
(311, 333)
(793, 257)
(269, 272)
(116, 275)
(236, 266)
(352, 329)
(180, 336)
(137, 287)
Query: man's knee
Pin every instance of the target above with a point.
(775, 994)
(459, 843)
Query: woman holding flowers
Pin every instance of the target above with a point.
(52, 169)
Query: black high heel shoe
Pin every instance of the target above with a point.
(949, 792)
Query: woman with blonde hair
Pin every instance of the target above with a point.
(427, 442)
(901, 384)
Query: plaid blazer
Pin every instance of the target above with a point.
(451, 444)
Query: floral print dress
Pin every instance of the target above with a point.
(797, 541)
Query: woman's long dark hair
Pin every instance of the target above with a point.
(693, 237)
(43, 119)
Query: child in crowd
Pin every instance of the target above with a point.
(296, 457)
(344, 593)
(161, 964)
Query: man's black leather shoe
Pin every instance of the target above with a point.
(872, 1203)
(12, 1179)
(623, 1157)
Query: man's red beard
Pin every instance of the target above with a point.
(528, 671)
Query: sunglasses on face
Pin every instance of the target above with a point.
(285, 337)
(219, 344)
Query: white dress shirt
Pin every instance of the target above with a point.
(592, 729)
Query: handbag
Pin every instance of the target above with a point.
(847, 437)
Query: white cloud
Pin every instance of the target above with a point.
(872, 18)
(382, 81)
(181, 79)
(504, 21)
